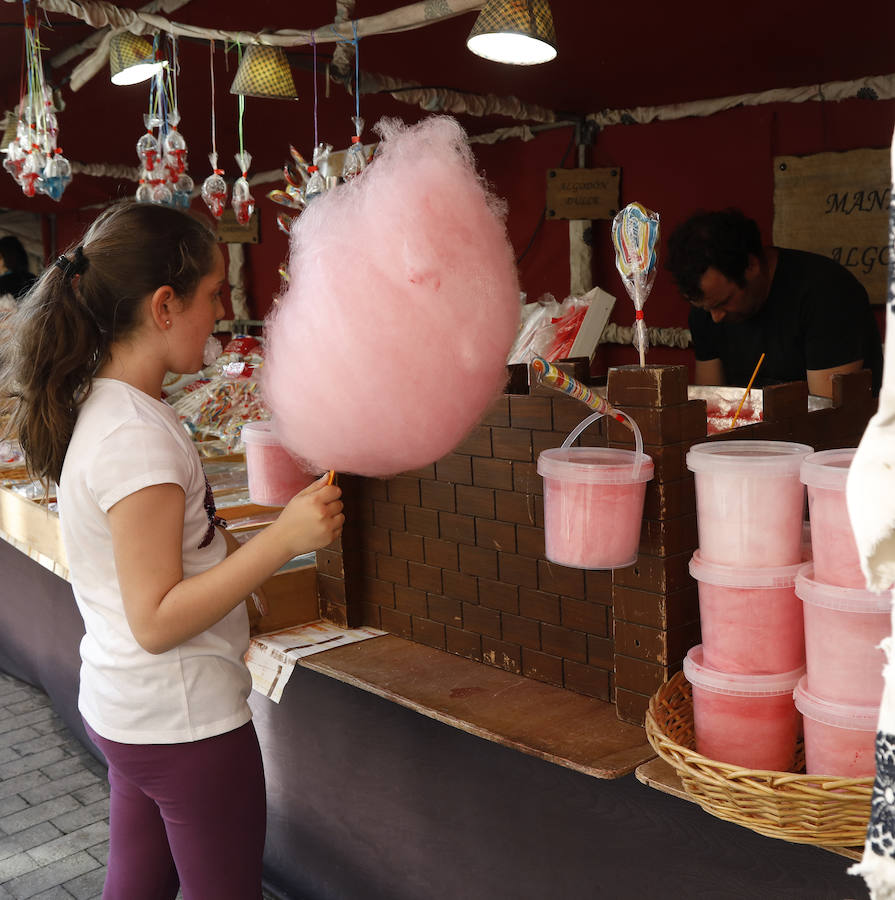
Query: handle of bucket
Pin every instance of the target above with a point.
(638, 439)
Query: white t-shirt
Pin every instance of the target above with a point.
(124, 441)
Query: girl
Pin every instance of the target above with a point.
(163, 683)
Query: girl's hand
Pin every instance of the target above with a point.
(313, 518)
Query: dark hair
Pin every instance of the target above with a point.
(89, 299)
(722, 240)
(14, 256)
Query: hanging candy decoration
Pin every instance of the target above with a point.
(214, 188)
(33, 158)
(242, 201)
(355, 156)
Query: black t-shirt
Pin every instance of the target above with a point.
(817, 316)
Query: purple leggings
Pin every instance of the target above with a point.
(191, 814)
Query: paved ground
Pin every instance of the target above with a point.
(54, 803)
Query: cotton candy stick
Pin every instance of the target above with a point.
(635, 234)
(554, 377)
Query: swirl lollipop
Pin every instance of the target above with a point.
(635, 234)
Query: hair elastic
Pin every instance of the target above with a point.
(74, 266)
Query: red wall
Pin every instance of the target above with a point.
(671, 167)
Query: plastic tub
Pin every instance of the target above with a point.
(843, 628)
(275, 475)
(839, 738)
(749, 501)
(745, 720)
(834, 551)
(593, 501)
(751, 618)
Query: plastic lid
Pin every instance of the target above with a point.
(741, 576)
(827, 469)
(263, 433)
(841, 715)
(730, 457)
(832, 596)
(737, 685)
(594, 465)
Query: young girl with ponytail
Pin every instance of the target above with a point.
(160, 586)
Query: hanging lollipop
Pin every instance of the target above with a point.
(635, 234)
(214, 188)
(243, 202)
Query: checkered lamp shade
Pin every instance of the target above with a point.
(529, 18)
(264, 72)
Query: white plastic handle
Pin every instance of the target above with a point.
(638, 440)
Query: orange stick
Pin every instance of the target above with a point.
(748, 388)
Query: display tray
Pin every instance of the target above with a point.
(792, 806)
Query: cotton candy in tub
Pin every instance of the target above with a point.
(390, 340)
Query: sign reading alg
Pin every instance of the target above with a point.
(582, 193)
(837, 204)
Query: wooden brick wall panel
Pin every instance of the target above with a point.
(666, 537)
(492, 473)
(640, 675)
(784, 401)
(423, 522)
(631, 706)
(567, 414)
(411, 600)
(526, 479)
(564, 642)
(670, 499)
(390, 568)
(481, 620)
(478, 561)
(522, 631)
(502, 654)
(442, 554)
(397, 622)
(368, 488)
(531, 412)
(498, 413)
(498, 595)
(542, 666)
(560, 579)
(460, 585)
(598, 585)
(382, 593)
(661, 575)
(577, 367)
(600, 652)
(656, 610)
(404, 491)
(477, 442)
(331, 590)
(475, 501)
(371, 615)
(423, 472)
(647, 386)
(654, 644)
(337, 613)
(425, 631)
(454, 467)
(376, 539)
(407, 546)
(584, 615)
(530, 541)
(438, 495)
(446, 610)
(519, 508)
(495, 535)
(586, 680)
(540, 605)
(515, 569)
(369, 563)
(329, 562)
(425, 577)
(669, 460)
(463, 643)
(456, 527)
(388, 515)
(512, 443)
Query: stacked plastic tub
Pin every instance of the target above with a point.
(840, 693)
(750, 512)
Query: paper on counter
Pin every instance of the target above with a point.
(271, 658)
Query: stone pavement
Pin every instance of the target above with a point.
(54, 803)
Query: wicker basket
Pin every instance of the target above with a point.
(805, 809)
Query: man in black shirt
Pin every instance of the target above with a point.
(809, 315)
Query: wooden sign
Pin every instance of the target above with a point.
(229, 231)
(582, 193)
(837, 204)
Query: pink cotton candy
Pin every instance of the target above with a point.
(392, 336)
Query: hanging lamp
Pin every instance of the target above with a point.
(132, 59)
(264, 72)
(519, 32)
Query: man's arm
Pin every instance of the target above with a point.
(709, 371)
(820, 381)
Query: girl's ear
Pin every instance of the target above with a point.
(162, 304)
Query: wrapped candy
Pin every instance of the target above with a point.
(183, 190)
(355, 157)
(56, 176)
(317, 183)
(175, 151)
(242, 201)
(214, 188)
(148, 151)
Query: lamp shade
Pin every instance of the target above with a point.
(514, 31)
(264, 72)
(131, 59)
